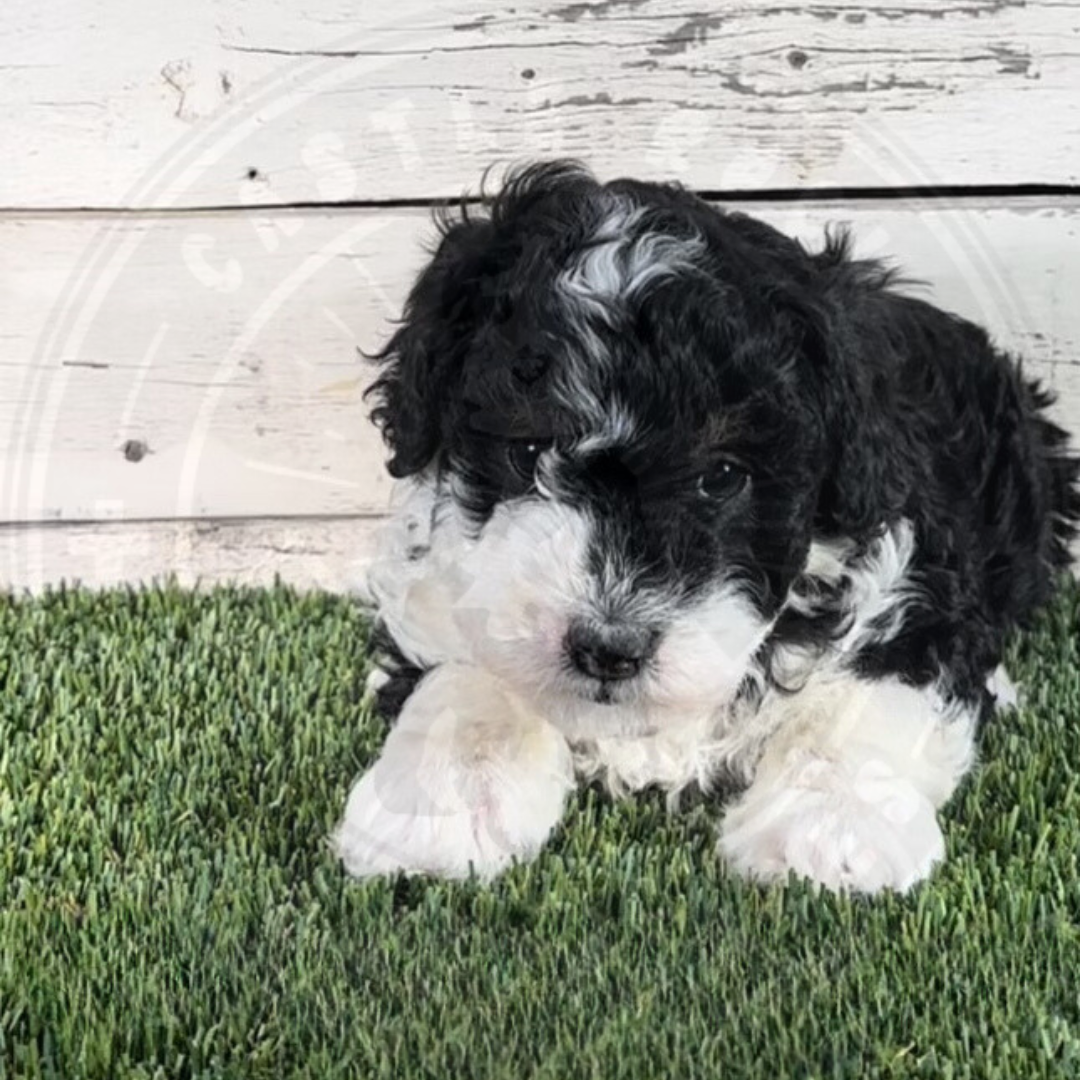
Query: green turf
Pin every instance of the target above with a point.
(170, 765)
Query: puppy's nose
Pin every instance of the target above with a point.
(609, 653)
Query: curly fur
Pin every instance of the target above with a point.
(799, 510)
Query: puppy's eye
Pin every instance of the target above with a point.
(523, 457)
(725, 481)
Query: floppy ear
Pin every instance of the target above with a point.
(423, 358)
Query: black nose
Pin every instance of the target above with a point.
(608, 652)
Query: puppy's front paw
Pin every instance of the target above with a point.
(469, 777)
(852, 828)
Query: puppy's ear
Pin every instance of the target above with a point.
(423, 359)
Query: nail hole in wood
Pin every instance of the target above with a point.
(135, 450)
(797, 58)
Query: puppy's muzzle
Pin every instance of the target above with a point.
(609, 653)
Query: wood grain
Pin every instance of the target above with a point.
(104, 103)
(205, 365)
(308, 554)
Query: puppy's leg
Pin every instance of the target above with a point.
(469, 776)
(846, 790)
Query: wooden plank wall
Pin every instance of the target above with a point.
(206, 211)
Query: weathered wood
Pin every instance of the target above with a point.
(310, 554)
(205, 365)
(104, 103)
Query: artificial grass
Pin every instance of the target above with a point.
(170, 765)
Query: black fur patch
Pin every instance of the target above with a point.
(403, 675)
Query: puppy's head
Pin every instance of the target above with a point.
(615, 386)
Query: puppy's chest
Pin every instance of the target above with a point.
(712, 749)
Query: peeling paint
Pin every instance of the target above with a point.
(974, 9)
(864, 85)
(477, 24)
(737, 83)
(1011, 61)
(695, 31)
(574, 12)
(584, 101)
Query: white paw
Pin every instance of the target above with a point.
(849, 826)
(469, 778)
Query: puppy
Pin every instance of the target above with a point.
(683, 504)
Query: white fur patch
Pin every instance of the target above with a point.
(707, 652)
(881, 588)
(470, 777)
(669, 748)
(413, 580)
(616, 427)
(615, 267)
(847, 788)
(526, 578)
(1002, 689)
(879, 592)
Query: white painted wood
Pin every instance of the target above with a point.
(225, 345)
(106, 103)
(309, 554)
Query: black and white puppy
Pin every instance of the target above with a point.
(684, 504)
